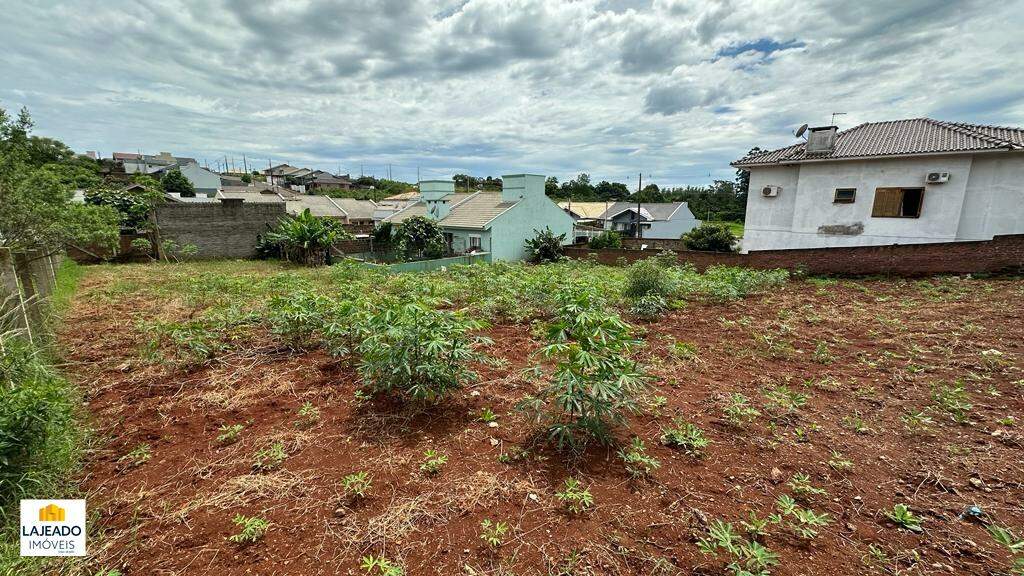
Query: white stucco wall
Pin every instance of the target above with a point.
(977, 201)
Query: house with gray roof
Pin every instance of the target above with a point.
(657, 220)
(896, 182)
(498, 223)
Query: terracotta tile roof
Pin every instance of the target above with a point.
(900, 138)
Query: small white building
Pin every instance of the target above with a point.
(899, 182)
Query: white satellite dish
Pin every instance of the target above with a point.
(800, 131)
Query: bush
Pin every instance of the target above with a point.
(306, 239)
(174, 181)
(545, 246)
(418, 237)
(649, 277)
(595, 383)
(608, 239)
(710, 238)
(417, 351)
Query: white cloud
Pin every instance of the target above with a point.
(674, 88)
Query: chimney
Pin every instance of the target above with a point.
(822, 140)
(433, 193)
(516, 187)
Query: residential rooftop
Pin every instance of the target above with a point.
(896, 138)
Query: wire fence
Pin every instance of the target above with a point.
(27, 279)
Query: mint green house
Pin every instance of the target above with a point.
(494, 222)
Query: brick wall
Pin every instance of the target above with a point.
(1001, 254)
(218, 229)
(356, 246)
(654, 244)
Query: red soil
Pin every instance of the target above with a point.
(890, 342)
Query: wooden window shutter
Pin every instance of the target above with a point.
(887, 202)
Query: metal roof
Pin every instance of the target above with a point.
(899, 138)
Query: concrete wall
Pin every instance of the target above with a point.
(977, 202)
(26, 282)
(534, 211)
(1001, 254)
(994, 198)
(218, 229)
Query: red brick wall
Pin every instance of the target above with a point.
(353, 246)
(1001, 254)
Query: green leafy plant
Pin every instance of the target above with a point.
(802, 488)
(309, 415)
(783, 402)
(606, 239)
(710, 237)
(917, 421)
(595, 382)
(686, 436)
(1004, 537)
(269, 458)
(638, 463)
(903, 516)
(954, 400)
(487, 415)
(738, 411)
(575, 497)
(252, 529)
(545, 246)
(417, 352)
(229, 434)
(822, 354)
(137, 457)
(840, 463)
(305, 238)
(356, 485)
(174, 182)
(493, 532)
(803, 522)
(418, 237)
(745, 557)
(433, 462)
(649, 277)
(381, 566)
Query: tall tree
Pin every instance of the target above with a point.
(174, 182)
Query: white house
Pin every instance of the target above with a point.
(898, 182)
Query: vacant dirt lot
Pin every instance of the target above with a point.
(856, 384)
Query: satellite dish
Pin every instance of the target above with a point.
(800, 131)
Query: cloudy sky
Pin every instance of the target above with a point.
(674, 89)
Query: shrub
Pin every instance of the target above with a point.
(433, 462)
(902, 516)
(418, 352)
(649, 277)
(545, 246)
(710, 238)
(746, 557)
(607, 239)
(307, 239)
(648, 307)
(595, 383)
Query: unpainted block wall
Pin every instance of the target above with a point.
(219, 230)
(1001, 254)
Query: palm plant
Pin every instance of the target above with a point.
(307, 239)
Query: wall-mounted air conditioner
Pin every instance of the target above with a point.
(937, 177)
(771, 191)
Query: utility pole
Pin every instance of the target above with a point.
(245, 164)
(639, 188)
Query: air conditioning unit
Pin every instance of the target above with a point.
(937, 177)
(771, 191)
